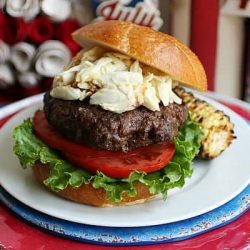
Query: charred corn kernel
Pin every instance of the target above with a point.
(216, 125)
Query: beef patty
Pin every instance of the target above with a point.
(91, 125)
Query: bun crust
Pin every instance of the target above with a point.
(150, 47)
(86, 194)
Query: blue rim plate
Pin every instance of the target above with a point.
(114, 236)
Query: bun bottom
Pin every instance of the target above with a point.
(87, 194)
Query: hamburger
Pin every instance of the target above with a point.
(113, 130)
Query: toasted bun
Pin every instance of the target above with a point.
(86, 194)
(148, 46)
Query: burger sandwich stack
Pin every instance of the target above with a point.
(117, 128)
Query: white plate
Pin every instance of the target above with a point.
(212, 184)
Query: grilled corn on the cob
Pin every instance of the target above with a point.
(216, 125)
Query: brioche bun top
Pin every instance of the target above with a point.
(153, 48)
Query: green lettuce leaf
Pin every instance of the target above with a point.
(30, 149)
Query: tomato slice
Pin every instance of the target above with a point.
(113, 164)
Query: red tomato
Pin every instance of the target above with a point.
(114, 164)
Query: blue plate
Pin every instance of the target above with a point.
(137, 235)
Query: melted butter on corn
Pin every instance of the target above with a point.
(114, 81)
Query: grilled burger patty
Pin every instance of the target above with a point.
(91, 125)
